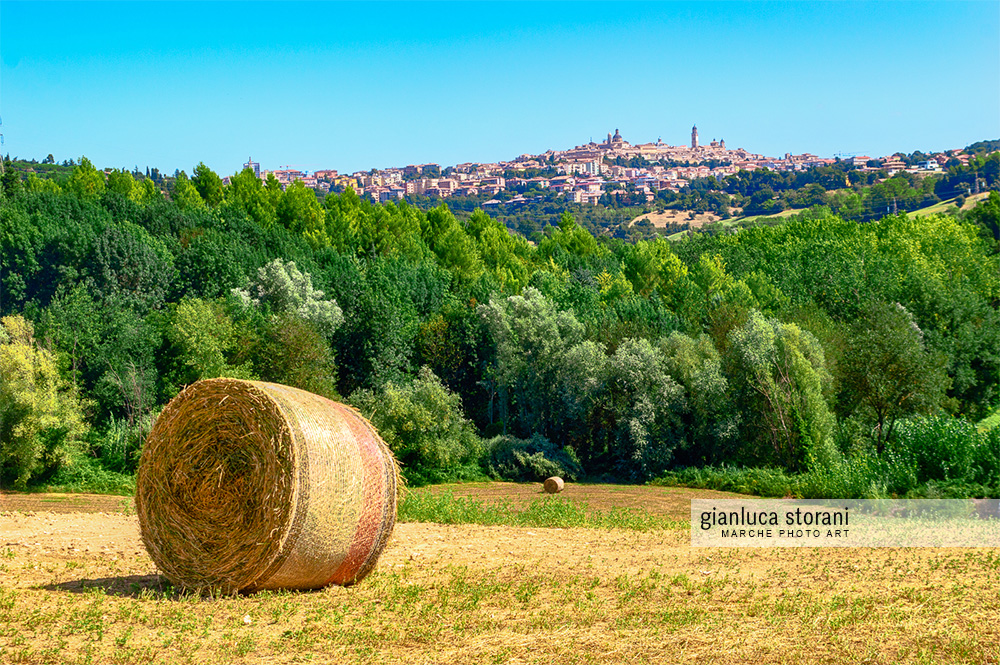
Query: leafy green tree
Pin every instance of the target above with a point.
(630, 316)
(712, 418)
(613, 287)
(146, 192)
(247, 193)
(811, 195)
(569, 245)
(941, 271)
(847, 204)
(530, 460)
(727, 301)
(86, 182)
(299, 211)
(764, 202)
(121, 208)
(579, 383)
(455, 250)
(778, 373)
(10, 180)
(40, 416)
(507, 255)
(359, 227)
(185, 194)
(986, 215)
(122, 183)
(208, 183)
(211, 262)
(887, 373)
(72, 321)
(531, 336)
(130, 267)
(21, 243)
(110, 351)
(123, 374)
(284, 288)
(294, 352)
(384, 300)
(647, 405)
(203, 334)
(652, 265)
(35, 184)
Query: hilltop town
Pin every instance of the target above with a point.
(584, 173)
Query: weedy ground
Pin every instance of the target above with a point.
(604, 586)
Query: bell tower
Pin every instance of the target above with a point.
(694, 137)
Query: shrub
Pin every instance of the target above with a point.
(935, 458)
(120, 445)
(758, 481)
(424, 426)
(87, 475)
(534, 459)
(40, 417)
(945, 449)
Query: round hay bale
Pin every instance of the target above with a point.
(245, 485)
(554, 485)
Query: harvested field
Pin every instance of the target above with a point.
(65, 503)
(662, 218)
(78, 587)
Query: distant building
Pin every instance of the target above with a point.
(694, 137)
(253, 166)
(614, 142)
(893, 165)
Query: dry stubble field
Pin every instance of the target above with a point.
(77, 587)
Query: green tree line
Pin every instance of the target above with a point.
(808, 347)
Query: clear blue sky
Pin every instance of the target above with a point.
(357, 86)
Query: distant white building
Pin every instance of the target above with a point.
(253, 166)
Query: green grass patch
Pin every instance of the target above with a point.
(949, 205)
(550, 511)
(932, 457)
(88, 476)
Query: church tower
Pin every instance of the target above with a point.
(694, 137)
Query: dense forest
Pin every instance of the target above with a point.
(821, 357)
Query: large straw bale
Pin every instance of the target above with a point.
(245, 485)
(553, 485)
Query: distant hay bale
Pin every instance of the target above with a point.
(245, 485)
(554, 485)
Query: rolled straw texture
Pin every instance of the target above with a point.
(246, 485)
(553, 485)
